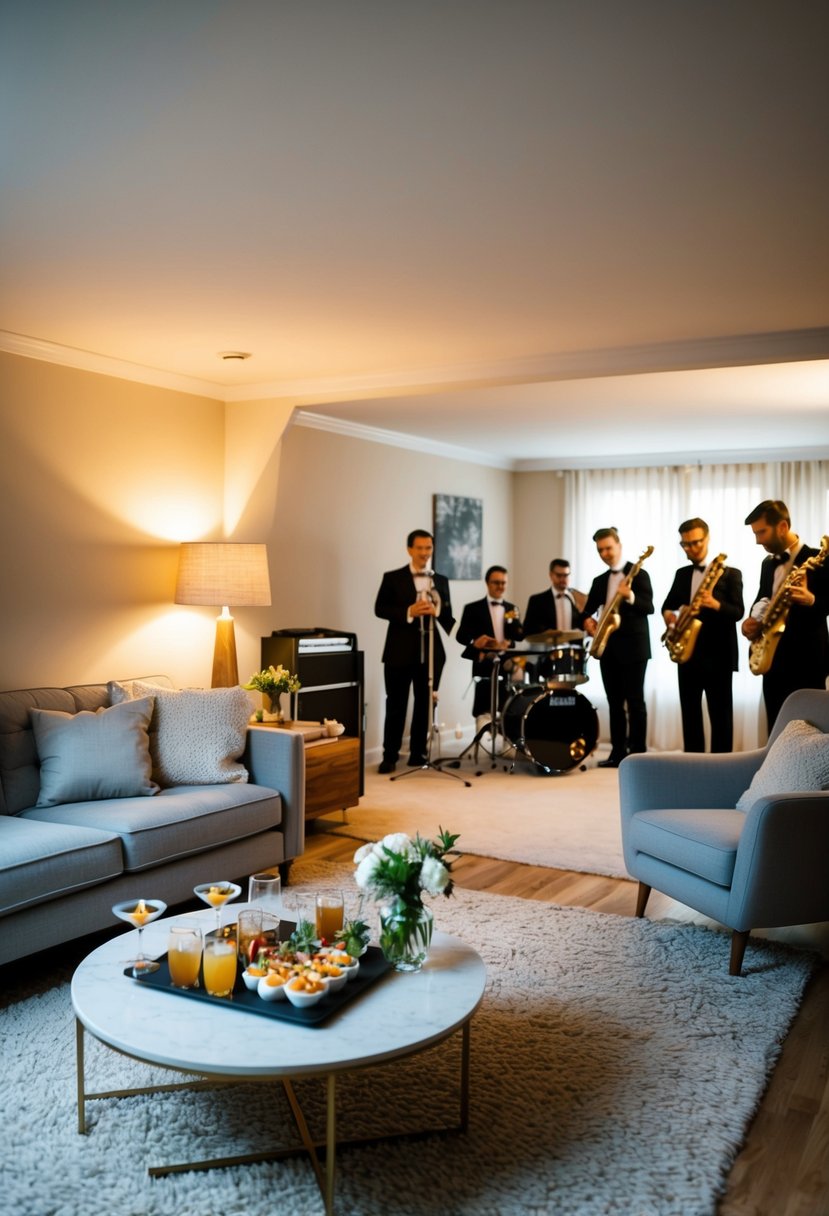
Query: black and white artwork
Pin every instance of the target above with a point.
(459, 525)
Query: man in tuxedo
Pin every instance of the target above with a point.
(559, 607)
(488, 626)
(625, 658)
(714, 656)
(412, 599)
(801, 659)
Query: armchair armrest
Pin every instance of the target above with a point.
(276, 759)
(685, 779)
(782, 863)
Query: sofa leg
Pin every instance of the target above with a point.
(642, 898)
(285, 870)
(739, 941)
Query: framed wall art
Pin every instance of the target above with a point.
(458, 528)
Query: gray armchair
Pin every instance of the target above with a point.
(765, 867)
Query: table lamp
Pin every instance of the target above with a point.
(227, 575)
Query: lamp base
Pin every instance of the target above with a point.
(225, 670)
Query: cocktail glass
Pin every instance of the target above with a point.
(216, 895)
(139, 912)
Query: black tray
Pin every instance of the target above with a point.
(373, 966)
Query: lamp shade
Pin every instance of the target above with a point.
(223, 575)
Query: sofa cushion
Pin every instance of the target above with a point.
(42, 861)
(197, 735)
(798, 760)
(100, 754)
(181, 821)
(703, 842)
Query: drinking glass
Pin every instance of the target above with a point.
(329, 915)
(184, 947)
(265, 892)
(219, 965)
(139, 912)
(216, 895)
(248, 930)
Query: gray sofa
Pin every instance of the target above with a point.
(62, 867)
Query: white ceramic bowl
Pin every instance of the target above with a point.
(251, 982)
(334, 981)
(302, 999)
(271, 992)
(350, 968)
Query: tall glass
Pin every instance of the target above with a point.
(329, 916)
(265, 892)
(184, 949)
(219, 966)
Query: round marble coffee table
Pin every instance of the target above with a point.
(398, 1016)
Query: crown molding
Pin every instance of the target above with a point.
(670, 459)
(395, 439)
(786, 346)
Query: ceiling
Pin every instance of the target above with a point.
(537, 233)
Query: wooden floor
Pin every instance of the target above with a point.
(783, 1169)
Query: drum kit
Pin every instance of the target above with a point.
(544, 719)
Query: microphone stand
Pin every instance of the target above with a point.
(427, 651)
(494, 726)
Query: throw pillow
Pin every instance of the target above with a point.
(797, 760)
(86, 756)
(197, 735)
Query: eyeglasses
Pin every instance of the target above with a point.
(691, 544)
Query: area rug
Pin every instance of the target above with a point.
(615, 1067)
(569, 822)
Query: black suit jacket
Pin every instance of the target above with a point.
(716, 643)
(631, 642)
(804, 644)
(396, 595)
(541, 613)
(477, 620)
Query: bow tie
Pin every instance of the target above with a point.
(497, 603)
(621, 570)
(780, 559)
(697, 566)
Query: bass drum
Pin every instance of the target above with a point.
(556, 729)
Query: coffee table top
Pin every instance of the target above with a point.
(398, 1014)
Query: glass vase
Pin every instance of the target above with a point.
(272, 705)
(405, 934)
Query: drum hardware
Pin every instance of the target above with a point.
(555, 729)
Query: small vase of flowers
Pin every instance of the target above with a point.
(396, 872)
(272, 682)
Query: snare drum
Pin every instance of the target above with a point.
(565, 665)
(554, 728)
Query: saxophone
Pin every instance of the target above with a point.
(609, 621)
(680, 638)
(773, 622)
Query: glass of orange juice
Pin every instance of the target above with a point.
(329, 915)
(184, 947)
(219, 965)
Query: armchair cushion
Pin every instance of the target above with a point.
(798, 760)
(702, 842)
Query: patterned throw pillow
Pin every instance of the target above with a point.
(197, 735)
(86, 756)
(797, 760)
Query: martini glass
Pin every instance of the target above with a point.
(216, 895)
(139, 912)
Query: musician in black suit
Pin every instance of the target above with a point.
(714, 656)
(625, 659)
(559, 607)
(801, 659)
(412, 599)
(487, 626)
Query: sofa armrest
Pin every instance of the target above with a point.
(276, 759)
(654, 781)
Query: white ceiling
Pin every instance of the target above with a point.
(537, 232)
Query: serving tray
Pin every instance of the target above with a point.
(373, 966)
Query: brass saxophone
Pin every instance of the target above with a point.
(773, 622)
(680, 638)
(609, 621)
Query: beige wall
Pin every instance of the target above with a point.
(539, 515)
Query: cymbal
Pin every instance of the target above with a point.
(549, 639)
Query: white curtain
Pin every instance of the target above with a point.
(646, 506)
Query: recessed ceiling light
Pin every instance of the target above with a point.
(234, 354)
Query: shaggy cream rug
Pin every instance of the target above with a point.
(570, 822)
(615, 1067)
